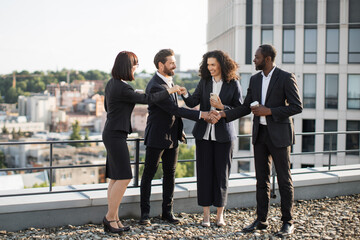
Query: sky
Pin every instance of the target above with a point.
(41, 35)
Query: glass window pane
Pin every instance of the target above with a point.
(332, 40)
(310, 40)
(244, 128)
(244, 82)
(332, 11)
(352, 140)
(330, 139)
(308, 141)
(289, 40)
(267, 36)
(289, 11)
(310, 11)
(354, 39)
(353, 91)
(354, 6)
(331, 91)
(267, 7)
(310, 58)
(354, 57)
(309, 98)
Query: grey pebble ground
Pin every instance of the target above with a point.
(328, 218)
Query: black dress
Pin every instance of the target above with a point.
(120, 99)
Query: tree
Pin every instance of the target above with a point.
(86, 137)
(11, 95)
(185, 169)
(75, 135)
(2, 160)
(4, 130)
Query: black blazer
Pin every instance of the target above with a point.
(230, 95)
(164, 126)
(120, 99)
(282, 98)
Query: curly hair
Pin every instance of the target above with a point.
(228, 66)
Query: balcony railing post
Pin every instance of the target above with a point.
(137, 162)
(330, 148)
(50, 169)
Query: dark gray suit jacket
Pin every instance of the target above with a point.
(120, 99)
(164, 126)
(230, 96)
(282, 98)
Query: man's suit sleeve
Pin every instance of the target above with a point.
(292, 95)
(241, 110)
(129, 95)
(168, 105)
(194, 99)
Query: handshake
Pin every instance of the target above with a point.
(178, 89)
(212, 116)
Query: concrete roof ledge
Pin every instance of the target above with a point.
(90, 205)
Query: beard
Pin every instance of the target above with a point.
(261, 65)
(169, 72)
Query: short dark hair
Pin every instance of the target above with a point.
(123, 65)
(268, 50)
(162, 55)
(228, 66)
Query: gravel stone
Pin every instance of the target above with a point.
(327, 218)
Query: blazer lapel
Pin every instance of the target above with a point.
(273, 80)
(259, 84)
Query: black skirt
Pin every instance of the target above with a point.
(117, 158)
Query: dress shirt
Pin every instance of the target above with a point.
(169, 82)
(265, 85)
(210, 129)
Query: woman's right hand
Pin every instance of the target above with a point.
(175, 88)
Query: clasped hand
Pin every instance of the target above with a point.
(211, 116)
(260, 110)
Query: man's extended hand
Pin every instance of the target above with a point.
(210, 117)
(182, 91)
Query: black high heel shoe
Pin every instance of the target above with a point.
(125, 228)
(109, 228)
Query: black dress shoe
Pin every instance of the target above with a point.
(256, 225)
(144, 220)
(286, 229)
(169, 217)
(109, 228)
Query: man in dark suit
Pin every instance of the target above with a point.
(164, 128)
(272, 97)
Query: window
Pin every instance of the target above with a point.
(331, 91)
(243, 166)
(307, 165)
(244, 128)
(308, 141)
(289, 12)
(310, 45)
(288, 46)
(352, 140)
(248, 44)
(330, 140)
(332, 11)
(353, 93)
(310, 12)
(309, 95)
(354, 16)
(332, 45)
(244, 82)
(354, 46)
(267, 36)
(267, 11)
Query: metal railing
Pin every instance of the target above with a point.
(137, 162)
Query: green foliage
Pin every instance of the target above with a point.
(4, 130)
(183, 169)
(75, 135)
(2, 160)
(44, 184)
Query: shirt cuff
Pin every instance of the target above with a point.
(186, 95)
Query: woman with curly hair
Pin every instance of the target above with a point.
(218, 89)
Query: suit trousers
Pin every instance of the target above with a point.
(263, 148)
(213, 163)
(152, 159)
